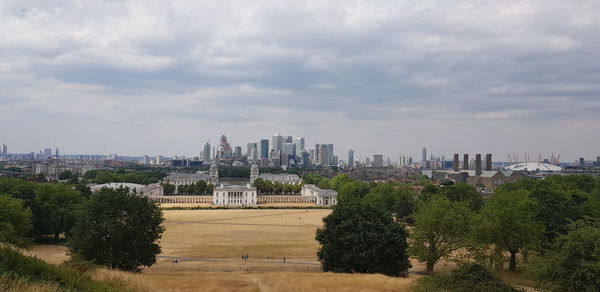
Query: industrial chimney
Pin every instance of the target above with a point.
(455, 164)
(477, 164)
(466, 162)
(488, 162)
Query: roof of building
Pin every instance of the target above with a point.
(282, 177)
(131, 186)
(534, 166)
(186, 177)
(321, 192)
(235, 188)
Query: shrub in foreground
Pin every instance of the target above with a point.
(467, 277)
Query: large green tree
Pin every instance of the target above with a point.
(362, 238)
(119, 230)
(15, 221)
(440, 228)
(353, 191)
(573, 264)
(463, 192)
(60, 204)
(508, 223)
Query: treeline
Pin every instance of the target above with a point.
(116, 228)
(269, 187)
(199, 187)
(549, 227)
(137, 177)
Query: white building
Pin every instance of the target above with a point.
(235, 196)
(324, 197)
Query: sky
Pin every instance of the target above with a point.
(380, 77)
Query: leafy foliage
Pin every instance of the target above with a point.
(16, 265)
(362, 238)
(467, 277)
(15, 221)
(441, 227)
(119, 230)
(138, 177)
(508, 223)
(573, 264)
(463, 192)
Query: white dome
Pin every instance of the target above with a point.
(533, 166)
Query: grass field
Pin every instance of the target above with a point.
(209, 243)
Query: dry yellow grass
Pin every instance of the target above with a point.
(226, 235)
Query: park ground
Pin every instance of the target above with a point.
(202, 251)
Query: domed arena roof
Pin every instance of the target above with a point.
(533, 166)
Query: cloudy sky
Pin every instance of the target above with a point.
(381, 77)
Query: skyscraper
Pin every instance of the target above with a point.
(277, 143)
(251, 151)
(299, 144)
(351, 158)
(47, 152)
(289, 149)
(4, 150)
(206, 153)
(424, 155)
(288, 139)
(326, 154)
(264, 148)
(377, 160)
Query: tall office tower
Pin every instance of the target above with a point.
(326, 154)
(277, 143)
(455, 163)
(4, 150)
(305, 155)
(388, 162)
(466, 162)
(145, 159)
(311, 155)
(488, 162)
(299, 144)
(367, 161)
(377, 160)
(251, 150)
(224, 150)
(424, 155)
(237, 154)
(47, 153)
(410, 160)
(159, 160)
(56, 153)
(206, 153)
(289, 149)
(263, 148)
(317, 156)
(581, 161)
(288, 139)
(351, 158)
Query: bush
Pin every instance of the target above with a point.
(14, 265)
(467, 277)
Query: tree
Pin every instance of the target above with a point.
(463, 192)
(168, 188)
(441, 227)
(467, 277)
(353, 191)
(573, 264)
(362, 238)
(508, 223)
(338, 181)
(15, 221)
(60, 205)
(119, 230)
(67, 174)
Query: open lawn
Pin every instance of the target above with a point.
(208, 245)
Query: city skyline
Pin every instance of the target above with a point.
(389, 78)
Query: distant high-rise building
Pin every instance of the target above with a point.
(145, 159)
(224, 150)
(159, 160)
(277, 143)
(299, 145)
(264, 148)
(56, 153)
(206, 153)
(252, 151)
(377, 160)
(289, 149)
(581, 161)
(317, 156)
(351, 158)
(326, 154)
(4, 150)
(47, 153)
(424, 155)
(238, 152)
(288, 139)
